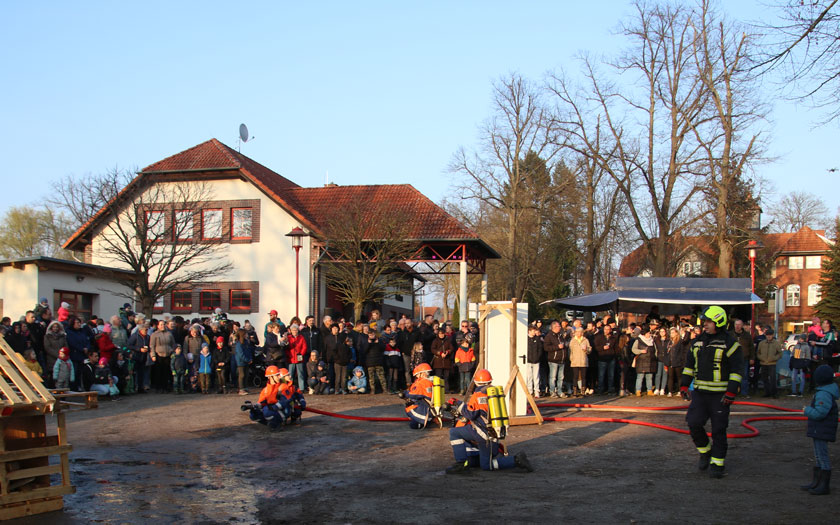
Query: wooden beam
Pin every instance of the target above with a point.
(31, 507)
(513, 323)
(33, 472)
(46, 492)
(29, 453)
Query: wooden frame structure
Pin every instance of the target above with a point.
(25, 447)
(509, 311)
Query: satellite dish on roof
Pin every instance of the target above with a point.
(243, 133)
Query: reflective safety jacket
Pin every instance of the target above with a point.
(269, 394)
(715, 363)
(420, 393)
(475, 413)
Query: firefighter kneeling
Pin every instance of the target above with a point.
(714, 362)
(423, 398)
(279, 401)
(480, 424)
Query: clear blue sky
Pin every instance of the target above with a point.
(371, 92)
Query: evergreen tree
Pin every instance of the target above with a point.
(829, 305)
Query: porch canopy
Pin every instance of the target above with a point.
(673, 295)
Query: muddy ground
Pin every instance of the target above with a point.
(198, 459)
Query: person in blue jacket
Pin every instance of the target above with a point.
(822, 427)
(244, 354)
(358, 382)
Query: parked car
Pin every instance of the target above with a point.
(791, 340)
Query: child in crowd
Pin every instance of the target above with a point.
(374, 360)
(465, 361)
(417, 356)
(63, 372)
(822, 427)
(358, 383)
(179, 370)
(130, 379)
(192, 374)
(105, 383)
(323, 381)
(800, 360)
(104, 344)
(220, 358)
(394, 359)
(32, 363)
(119, 368)
(205, 368)
(312, 372)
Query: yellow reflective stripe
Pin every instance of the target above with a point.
(717, 461)
(716, 364)
(688, 371)
(705, 449)
(735, 377)
(732, 350)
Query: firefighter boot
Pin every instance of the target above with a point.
(460, 467)
(716, 471)
(705, 458)
(813, 481)
(521, 461)
(822, 484)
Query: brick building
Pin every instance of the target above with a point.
(794, 261)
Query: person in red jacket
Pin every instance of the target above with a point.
(296, 352)
(104, 344)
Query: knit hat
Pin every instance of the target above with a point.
(823, 375)
(190, 357)
(322, 364)
(205, 345)
(220, 339)
(66, 306)
(43, 300)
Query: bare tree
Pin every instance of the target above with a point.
(805, 47)
(799, 209)
(721, 54)
(27, 231)
(363, 259)
(495, 174)
(642, 135)
(149, 227)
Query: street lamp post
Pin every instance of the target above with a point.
(297, 234)
(752, 247)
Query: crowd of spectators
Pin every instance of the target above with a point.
(127, 353)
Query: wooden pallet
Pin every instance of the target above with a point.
(25, 447)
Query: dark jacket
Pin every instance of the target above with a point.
(406, 340)
(605, 354)
(342, 353)
(746, 341)
(677, 354)
(220, 357)
(178, 363)
(314, 339)
(274, 351)
(244, 353)
(439, 347)
(77, 341)
(645, 355)
(88, 374)
(661, 350)
(822, 414)
(330, 345)
(375, 354)
(101, 376)
(552, 351)
(535, 349)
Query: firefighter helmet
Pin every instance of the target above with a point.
(483, 377)
(422, 367)
(271, 371)
(716, 314)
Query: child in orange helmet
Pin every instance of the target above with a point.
(419, 397)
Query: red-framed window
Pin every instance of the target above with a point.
(210, 299)
(240, 299)
(182, 224)
(241, 220)
(211, 224)
(155, 225)
(182, 301)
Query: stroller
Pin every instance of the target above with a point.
(257, 369)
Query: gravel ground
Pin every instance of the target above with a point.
(198, 459)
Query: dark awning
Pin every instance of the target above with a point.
(674, 295)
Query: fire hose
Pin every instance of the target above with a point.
(583, 406)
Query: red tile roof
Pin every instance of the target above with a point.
(312, 206)
(423, 218)
(806, 240)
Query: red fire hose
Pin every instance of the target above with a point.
(745, 423)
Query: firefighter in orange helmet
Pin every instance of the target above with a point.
(268, 410)
(418, 398)
(290, 397)
(473, 431)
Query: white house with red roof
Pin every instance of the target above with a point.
(250, 213)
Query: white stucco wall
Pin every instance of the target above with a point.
(19, 290)
(270, 261)
(105, 301)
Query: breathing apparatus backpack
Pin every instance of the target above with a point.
(437, 395)
(497, 409)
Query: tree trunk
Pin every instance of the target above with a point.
(147, 305)
(659, 254)
(512, 278)
(357, 311)
(724, 248)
